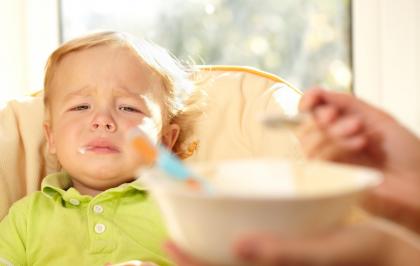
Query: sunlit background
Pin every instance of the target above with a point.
(369, 47)
(307, 42)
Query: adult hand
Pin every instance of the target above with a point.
(363, 244)
(346, 129)
(180, 257)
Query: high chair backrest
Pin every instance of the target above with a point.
(229, 128)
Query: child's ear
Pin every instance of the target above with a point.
(50, 138)
(170, 135)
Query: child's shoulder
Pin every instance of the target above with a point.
(34, 196)
(27, 203)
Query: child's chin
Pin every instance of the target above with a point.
(111, 176)
(108, 184)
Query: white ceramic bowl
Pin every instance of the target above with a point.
(283, 197)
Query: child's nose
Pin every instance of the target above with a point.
(103, 122)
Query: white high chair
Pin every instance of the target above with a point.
(229, 129)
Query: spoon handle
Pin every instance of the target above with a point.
(165, 160)
(279, 121)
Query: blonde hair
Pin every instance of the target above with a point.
(184, 102)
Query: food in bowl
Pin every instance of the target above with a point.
(287, 198)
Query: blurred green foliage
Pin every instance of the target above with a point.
(307, 42)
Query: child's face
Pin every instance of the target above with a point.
(97, 95)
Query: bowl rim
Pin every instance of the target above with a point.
(375, 179)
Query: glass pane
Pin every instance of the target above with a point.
(307, 42)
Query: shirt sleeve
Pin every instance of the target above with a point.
(13, 236)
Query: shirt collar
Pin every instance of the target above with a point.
(60, 185)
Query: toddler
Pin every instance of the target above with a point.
(93, 212)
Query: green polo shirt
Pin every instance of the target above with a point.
(58, 226)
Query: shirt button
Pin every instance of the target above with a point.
(74, 202)
(99, 228)
(98, 209)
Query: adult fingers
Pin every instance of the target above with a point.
(311, 99)
(341, 151)
(317, 96)
(325, 115)
(180, 257)
(345, 126)
(343, 138)
(312, 138)
(359, 245)
(343, 101)
(396, 199)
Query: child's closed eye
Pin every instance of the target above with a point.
(130, 109)
(80, 107)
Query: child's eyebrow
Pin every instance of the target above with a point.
(124, 91)
(85, 91)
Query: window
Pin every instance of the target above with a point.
(307, 42)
